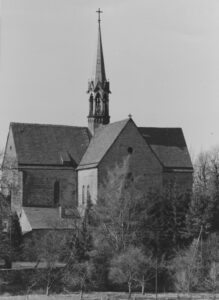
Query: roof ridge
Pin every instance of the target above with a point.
(43, 124)
(160, 127)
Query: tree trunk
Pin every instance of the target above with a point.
(81, 294)
(142, 288)
(130, 289)
(47, 290)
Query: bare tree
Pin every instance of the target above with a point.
(186, 268)
(51, 254)
(79, 275)
(5, 231)
(118, 207)
(127, 267)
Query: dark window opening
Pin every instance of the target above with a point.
(88, 194)
(83, 200)
(130, 150)
(56, 193)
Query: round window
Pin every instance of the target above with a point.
(130, 150)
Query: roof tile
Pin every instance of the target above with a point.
(49, 144)
(100, 143)
(169, 146)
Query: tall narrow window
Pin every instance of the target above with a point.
(83, 194)
(88, 194)
(56, 193)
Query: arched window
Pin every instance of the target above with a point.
(56, 193)
(83, 191)
(88, 194)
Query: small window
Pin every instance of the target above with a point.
(83, 200)
(56, 193)
(130, 150)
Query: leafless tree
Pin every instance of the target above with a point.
(50, 253)
(117, 208)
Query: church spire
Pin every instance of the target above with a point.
(100, 74)
(98, 88)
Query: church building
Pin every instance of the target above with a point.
(49, 171)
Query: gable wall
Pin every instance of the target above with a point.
(12, 178)
(143, 164)
(39, 186)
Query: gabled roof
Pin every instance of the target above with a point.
(169, 146)
(100, 143)
(49, 144)
(35, 218)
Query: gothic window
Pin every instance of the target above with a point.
(91, 106)
(56, 193)
(88, 194)
(83, 195)
(98, 105)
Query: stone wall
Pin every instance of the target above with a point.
(182, 180)
(143, 165)
(39, 186)
(12, 178)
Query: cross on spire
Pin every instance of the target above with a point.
(99, 12)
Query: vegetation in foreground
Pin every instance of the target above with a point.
(127, 242)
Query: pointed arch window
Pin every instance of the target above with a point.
(88, 194)
(83, 195)
(56, 193)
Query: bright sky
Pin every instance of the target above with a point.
(162, 60)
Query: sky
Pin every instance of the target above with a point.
(161, 58)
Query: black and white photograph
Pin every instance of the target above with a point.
(109, 149)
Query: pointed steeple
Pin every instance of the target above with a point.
(100, 74)
(98, 88)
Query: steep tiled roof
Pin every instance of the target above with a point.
(169, 146)
(49, 144)
(101, 142)
(33, 218)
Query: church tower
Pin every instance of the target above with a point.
(99, 90)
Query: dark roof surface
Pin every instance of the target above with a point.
(49, 144)
(47, 218)
(169, 145)
(58, 144)
(101, 142)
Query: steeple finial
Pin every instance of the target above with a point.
(99, 12)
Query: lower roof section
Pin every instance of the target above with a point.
(35, 218)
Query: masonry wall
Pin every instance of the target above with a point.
(12, 178)
(87, 184)
(39, 186)
(182, 180)
(143, 165)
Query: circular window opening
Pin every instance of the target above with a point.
(130, 150)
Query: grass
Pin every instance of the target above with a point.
(116, 296)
